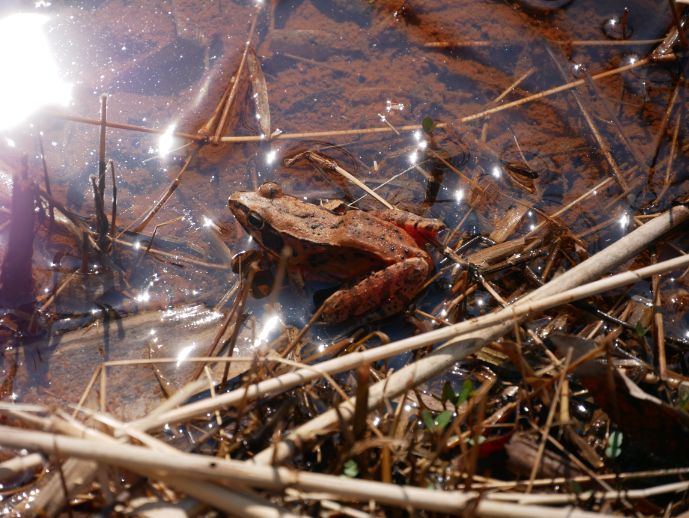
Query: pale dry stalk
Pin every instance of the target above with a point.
(456, 349)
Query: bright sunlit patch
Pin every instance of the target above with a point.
(390, 105)
(496, 171)
(207, 222)
(30, 76)
(184, 353)
(6, 180)
(269, 326)
(459, 195)
(144, 296)
(624, 221)
(166, 140)
(270, 156)
(413, 157)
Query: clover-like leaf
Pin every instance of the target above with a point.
(614, 447)
(351, 469)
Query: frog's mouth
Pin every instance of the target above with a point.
(272, 240)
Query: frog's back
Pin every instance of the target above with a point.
(378, 237)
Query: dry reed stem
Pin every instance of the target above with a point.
(514, 85)
(239, 500)
(227, 104)
(363, 131)
(244, 504)
(631, 494)
(632, 475)
(197, 466)
(166, 196)
(328, 163)
(458, 348)
(574, 43)
(549, 421)
(602, 144)
(20, 464)
(352, 360)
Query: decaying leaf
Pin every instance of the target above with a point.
(260, 89)
(649, 422)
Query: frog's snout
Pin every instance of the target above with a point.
(234, 203)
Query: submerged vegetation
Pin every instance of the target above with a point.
(163, 354)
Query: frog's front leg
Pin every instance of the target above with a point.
(383, 293)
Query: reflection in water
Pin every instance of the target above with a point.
(413, 157)
(271, 156)
(30, 75)
(166, 140)
(270, 325)
(184, 353)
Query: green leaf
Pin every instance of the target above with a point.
(683, 397)
(442, 420)
(427, 124)
(614, 447)
(448, 393)
(436, 423)
(428, 420)
(351, 469)
(465, 393)
(640, 329)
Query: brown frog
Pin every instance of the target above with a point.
(380, 252)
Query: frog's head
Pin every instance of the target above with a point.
(256, 212)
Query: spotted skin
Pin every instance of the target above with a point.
(378, 256)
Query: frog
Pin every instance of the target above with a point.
(379, 257)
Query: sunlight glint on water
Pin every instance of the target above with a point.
(30, 74)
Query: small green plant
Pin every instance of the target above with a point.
(456, 398)
(683, 397)
(436, 423)
(428, 124)
(351, 469)
(640, 329)
(614, 447)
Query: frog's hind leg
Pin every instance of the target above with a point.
(383, 293)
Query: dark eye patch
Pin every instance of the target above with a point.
(255, 220)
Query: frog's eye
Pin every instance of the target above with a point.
(255, 220)
(270, 190)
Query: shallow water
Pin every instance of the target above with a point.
(365, 70)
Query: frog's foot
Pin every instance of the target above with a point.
(421, 229)
(381, 294)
